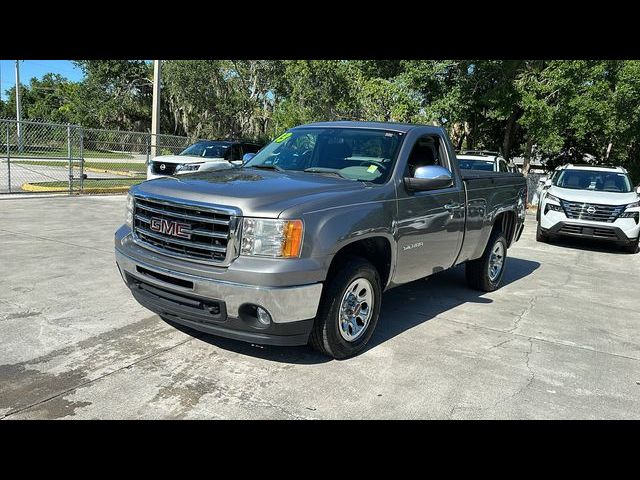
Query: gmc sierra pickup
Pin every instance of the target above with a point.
(297, 245)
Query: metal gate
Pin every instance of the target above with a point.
(41, 157)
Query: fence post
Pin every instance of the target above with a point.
(81, 160)
(148, 147)
(8, 160)
(69, 159)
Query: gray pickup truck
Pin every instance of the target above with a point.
(298, 244)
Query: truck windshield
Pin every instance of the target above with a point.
(476, 164)
(206, 149)
(353, 153)
(597, 180)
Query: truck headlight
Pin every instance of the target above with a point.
(271, 238)
(187, 167)
(128, 218)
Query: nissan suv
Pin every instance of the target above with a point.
(201, 156)
(591, 202)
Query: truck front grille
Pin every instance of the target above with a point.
(591, 211)
(192, 232)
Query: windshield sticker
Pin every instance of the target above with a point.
(283, 137)
(372, 168)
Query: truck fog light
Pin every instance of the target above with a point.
(263, 316)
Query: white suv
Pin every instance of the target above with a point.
(592, 202)
(484, 160)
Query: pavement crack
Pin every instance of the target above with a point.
(524, 313)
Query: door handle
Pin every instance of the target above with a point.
(452, 206)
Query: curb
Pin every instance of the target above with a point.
(31, 187)
(112, 172)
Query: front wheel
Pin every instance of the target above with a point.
(486, 272)
(632, 247)
(349, 310)
(540, 235)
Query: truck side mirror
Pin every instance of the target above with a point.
(247, 156)
(430, 177)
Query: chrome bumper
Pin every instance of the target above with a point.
(285, 304)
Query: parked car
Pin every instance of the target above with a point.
(484, 160)
(592, 202)
(299, 243)
(201, 156)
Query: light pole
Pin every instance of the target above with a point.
(18, 107)
(155, 112)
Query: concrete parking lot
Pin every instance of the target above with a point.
(560, 339)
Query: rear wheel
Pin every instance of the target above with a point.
(349, 310)
(486, 272)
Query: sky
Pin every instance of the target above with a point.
(35, 68)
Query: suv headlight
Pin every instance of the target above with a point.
(187, 167)
(128, 218)
(271, 238)
(551, 198)
(633, 205)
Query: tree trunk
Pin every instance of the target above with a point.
(527, 157)
(509, 134)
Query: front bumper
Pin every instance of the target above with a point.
(223, 308)
(600, 232)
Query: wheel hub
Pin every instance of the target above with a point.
(356, 309)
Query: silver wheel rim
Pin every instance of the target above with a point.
(496, 261)
(356, 309)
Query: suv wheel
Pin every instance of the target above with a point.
(486, 272)
(540, 235)
(349, 310)
(632, 247)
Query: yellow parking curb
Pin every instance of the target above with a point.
(34, 187)
(112, 172)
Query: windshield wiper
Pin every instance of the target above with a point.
(325, 170)
(266, 167)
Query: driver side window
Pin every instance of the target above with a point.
(426, 151)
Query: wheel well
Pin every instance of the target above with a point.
(506, 222)
(376, 250)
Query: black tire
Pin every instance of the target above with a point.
(632, 247)
(325, 336)
(477, 271)
(540, 236)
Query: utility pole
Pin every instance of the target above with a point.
(155, 112)
(18, 107)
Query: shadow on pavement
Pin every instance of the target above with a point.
(403, 308)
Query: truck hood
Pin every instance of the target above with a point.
(590, 196)
(257, 192)
(185, 159)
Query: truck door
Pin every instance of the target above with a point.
(430, 223)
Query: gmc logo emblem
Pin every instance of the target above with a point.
(170, 227)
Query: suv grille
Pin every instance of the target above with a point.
(169, 168)
(206, 233)
(591, 211)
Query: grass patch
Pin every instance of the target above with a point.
(125, 166)
(62, 152)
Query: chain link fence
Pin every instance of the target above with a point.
(49, 157)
